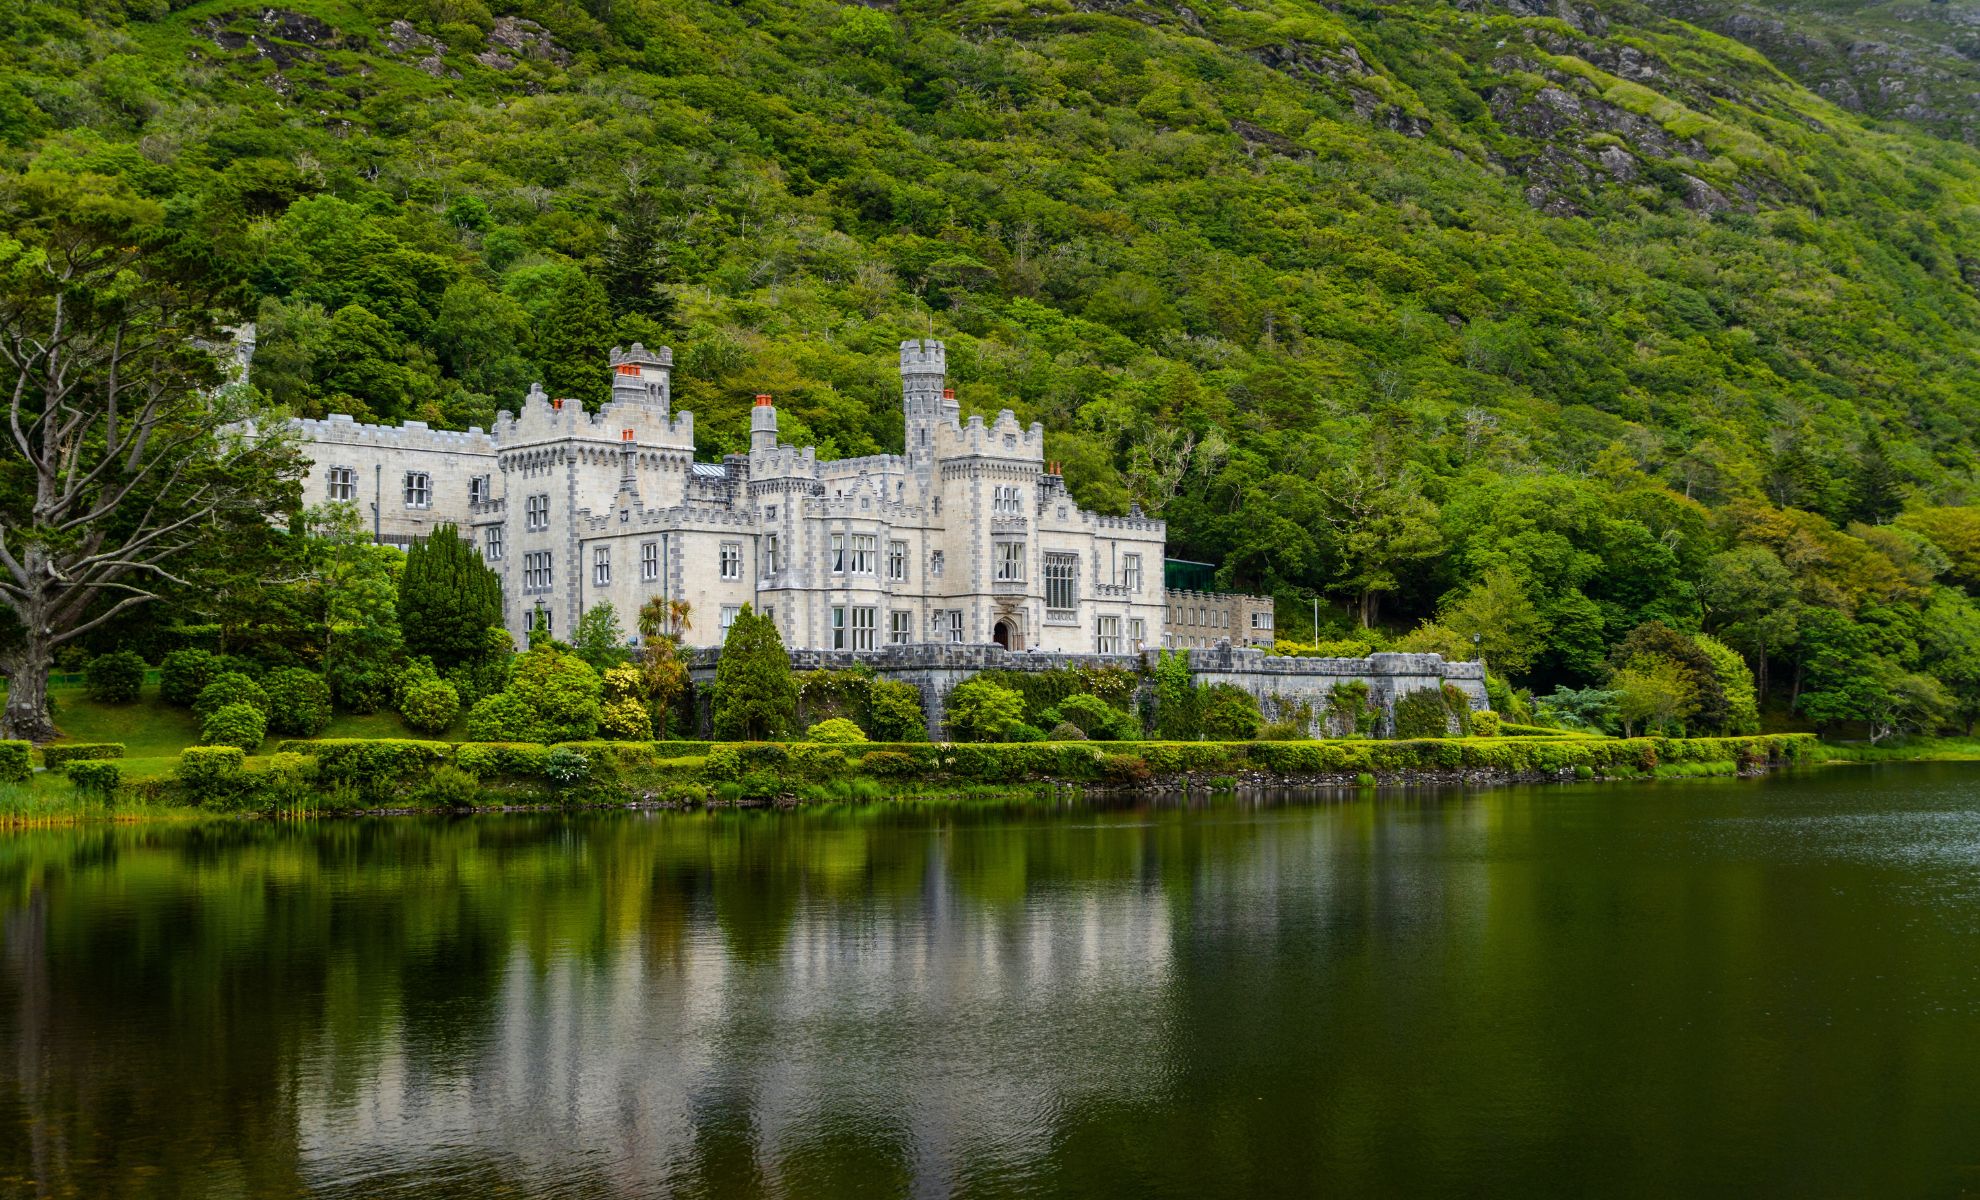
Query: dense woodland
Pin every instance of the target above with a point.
(1557, 339)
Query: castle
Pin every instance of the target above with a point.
(967, 537)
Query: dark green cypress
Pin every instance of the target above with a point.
(634, 272)
(755, 697)
(574, 340)
(448, 599)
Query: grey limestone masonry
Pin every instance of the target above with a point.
(1279, 683)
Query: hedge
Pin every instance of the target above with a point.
(15, 764)
(55, 756)
(95, 779)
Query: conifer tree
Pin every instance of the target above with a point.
(448, 599)
(755, 698)
(575, 338)
(1875, 489)
(634, 273)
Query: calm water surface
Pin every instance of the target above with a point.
(1699, 988)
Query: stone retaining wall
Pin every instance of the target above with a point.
(1278, 683)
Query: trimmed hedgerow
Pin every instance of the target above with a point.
(211, 775)
(15, 763)
(95, 780)
(56, 756)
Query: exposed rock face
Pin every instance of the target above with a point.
(525, 39)
(280, 36)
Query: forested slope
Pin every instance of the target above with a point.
(1382, 300)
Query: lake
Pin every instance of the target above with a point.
(1710, 987)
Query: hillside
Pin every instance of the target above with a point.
(1369, 299)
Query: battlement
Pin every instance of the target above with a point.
(341, 429)
(638, 355)
(1002, 438)
(924, 357)
(543, 418)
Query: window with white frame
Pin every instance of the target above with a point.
(478, 490)
(769, 554)
(1131, 572)
(649, 561)
(900, 627)
(601, 566)
(955, 624)
(838, 554)
(538, 617)
(1108, 636)
(494, 543)
(343, 483)
(732, 560)
(1010, 562)
(865, 553)
(862, 628)
(935, 564)
(1261, 620)
(897, 561)
(419, 489)
(838, 627)
(1137, 635)
(536, 571)
(1061, 580)
(1006, 502)
(536, 512)
(729, 614)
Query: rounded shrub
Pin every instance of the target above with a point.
(298, 702)
(1364, 779)
(893, 712)
(1065, 731)
(95, 780)
(1486, 723)
(184, 674)
(837, 730)
(1228, 713)
(239, 725)
(450, 787)
(114, 678)
(1095, 717)
(625, 720)
(503, 717)
(564, 766)
(430, 704)
(231, 687)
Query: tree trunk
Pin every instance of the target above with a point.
(26, 717)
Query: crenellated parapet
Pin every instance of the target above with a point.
(340, 429)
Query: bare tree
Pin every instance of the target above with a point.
(123, 458)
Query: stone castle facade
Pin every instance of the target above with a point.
(968, 537)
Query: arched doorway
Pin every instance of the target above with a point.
(1002, 634)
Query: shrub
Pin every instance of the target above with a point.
(298, 702)
(95, 780)
(625, 720)
(1094, 716)
(184, 674)
(211, 775)
(560, 691)
(15, 764)
(754, 694)
(1023, 732)
(1065, 731)
(1125, 769)
(54, 756)
(503, 717)
(450, 787)
(894, 712)
(1422, 714)
(239, 725)
(837, 730)
(982, 710)
(114, 678)
(231, 687)
(1175, 698)
(491, 760)
(1364, 779)
(889, 764)
(725, 762)
(565, 767)
(1486, 723)
(1229, 713)
(430, 705)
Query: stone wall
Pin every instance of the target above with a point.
(1276, 682)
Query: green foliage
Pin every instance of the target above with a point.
(448, 599)
(755, 697)
(16, 764)
(450, 787)
(1065, 731)
(1350, 712)
(298, 702)
(600, 640)
(981, 709)
(58, 755)
(1229, 713)
(230, 687)
(95, 780)
(894, 712)
(1042, 690)
(625, 720)
(184, 674)
(836, 730)
(553, 697)
(235, 724)
(1100, 720)
(114, 678)
(211, 775)
(1485, 724)
(1176, 715)
(1655, 692)
(1422, 714)
(430, 705)
(1742, 707)
(503, 717)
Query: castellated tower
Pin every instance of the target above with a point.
(924, 366)
(643, 376)
(763, 425)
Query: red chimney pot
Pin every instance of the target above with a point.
(763, 400)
